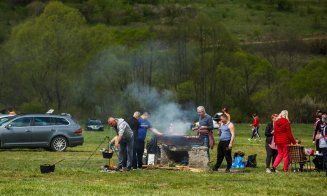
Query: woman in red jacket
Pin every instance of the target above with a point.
(283, 137)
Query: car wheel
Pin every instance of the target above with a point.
(59, 144)
(101, 129)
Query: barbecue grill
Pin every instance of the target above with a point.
(179, 143)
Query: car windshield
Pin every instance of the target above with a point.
(94, 122)
(3, 120)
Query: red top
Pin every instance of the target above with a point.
(283, 133)
(256, 122)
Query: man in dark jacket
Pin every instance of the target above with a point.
(271, 153)
(133, 122)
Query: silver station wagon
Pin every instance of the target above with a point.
(55, 132)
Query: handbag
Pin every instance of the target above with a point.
(272, 145)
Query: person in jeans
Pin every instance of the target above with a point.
(322, 136)
(227, 136)
(271, 153)
(144, 126)
(204, 130)
(133, 122)
(283, 137)
(124, 141)
(255, 127)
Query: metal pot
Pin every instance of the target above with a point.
(47, 168)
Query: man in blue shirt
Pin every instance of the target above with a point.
(144, 125)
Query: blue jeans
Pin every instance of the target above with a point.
(255, 131)
(126, 153)
(205, 139)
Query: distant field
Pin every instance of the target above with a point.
(252, 20)
(19, 171)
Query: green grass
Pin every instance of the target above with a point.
(251, 20)
(20, 175)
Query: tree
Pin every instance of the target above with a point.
(311, 80)
(48, 51)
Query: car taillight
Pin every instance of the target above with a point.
(79, 131)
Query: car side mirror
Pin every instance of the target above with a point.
(8, 126)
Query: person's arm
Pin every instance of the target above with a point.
(155, 131)
(117, 141)
(232, 131)
(210, 124)
(316, 130)
(121, 129)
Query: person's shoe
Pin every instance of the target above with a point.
(268, 171)
(215, 168)
(250, 139)
(118, 169)
(273, 170)
(123, 169)
(227, 171)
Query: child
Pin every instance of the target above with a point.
(301, 163)
(255, 127)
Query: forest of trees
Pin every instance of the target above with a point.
(80, 57)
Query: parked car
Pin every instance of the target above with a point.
(94, 125)
(6, 117)
(55, 132)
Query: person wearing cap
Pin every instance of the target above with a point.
(271, 151)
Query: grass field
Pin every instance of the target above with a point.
(251, 20)
(20, 175)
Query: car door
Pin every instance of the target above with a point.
(42, 130)
(18, 133)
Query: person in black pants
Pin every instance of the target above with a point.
(133, 122)
(144, 126)
(227, 136)
(271, 153)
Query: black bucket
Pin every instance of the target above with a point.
(47, 168)
(107, 155)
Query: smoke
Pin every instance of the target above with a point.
(167, 115)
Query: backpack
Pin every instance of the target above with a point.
(252, 161)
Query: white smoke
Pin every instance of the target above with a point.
(166, 114)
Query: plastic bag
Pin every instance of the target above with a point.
(238, 163)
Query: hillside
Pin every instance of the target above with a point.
(251, 55)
